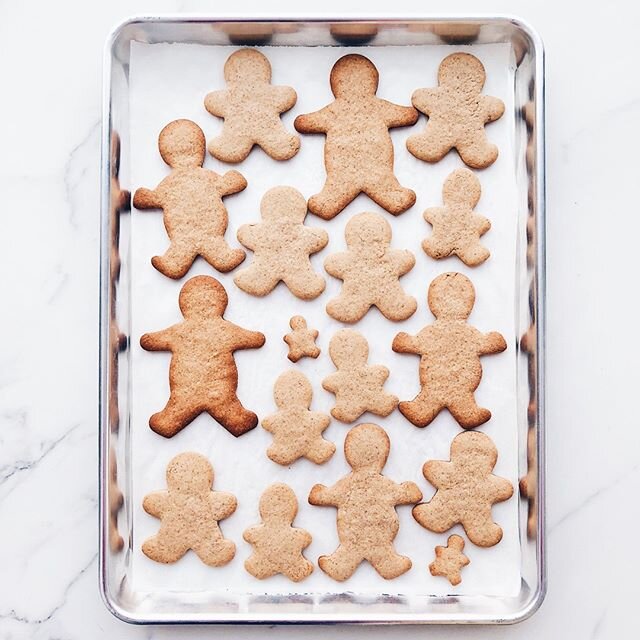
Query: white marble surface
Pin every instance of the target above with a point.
(50, 62)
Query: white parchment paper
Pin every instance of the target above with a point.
(169, 81)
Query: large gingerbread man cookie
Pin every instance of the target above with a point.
(282, 246)
(251, 108)
(449, 350)
(370, 270)
(457, 113)
(203, 375)
(277, 545)
(357, 385)
(466, 490)
(191, 198)
(358, 152)
(189, 513)
(366, 500)
(456, 228)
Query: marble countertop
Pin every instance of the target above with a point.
(51, 69)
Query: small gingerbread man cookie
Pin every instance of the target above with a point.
(301, 340)
(278, 546)
(189, 513)
(366, 500)
(297, 432)
(358, 153)
(282, 246)
(191, 198)
(251, 108)
(457, 114)
(203, 375)
(450, 560)
(370, 271)
(456, 228)
(449, 350)
(466, 490)
(358, 386)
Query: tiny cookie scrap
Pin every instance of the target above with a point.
(358, 153)
(251, 108)
(203, 375)
(277, 545)
(370, 271)
(449, 350)
(456, 228)
(450, 560)
(457, 113)
(466, 490)
(358, 386)
(367, 520)
(189, 513)
(282, 245)
(302, 340)
(297, 431)
(191, 199)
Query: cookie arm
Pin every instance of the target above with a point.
(335, 265)
(251, 534)
(407, 493)
(332, 382)
(223, 504)
(493, 108)
(215, 103)
(232, 182)
(323, 496)
(396, 115)
(155, 503)
(404, 343)
(403, 260)
(285, 98)
(438, 473)
(245, 339)
(302, 536)
(247, 235)
(316, 239)
(502, 487)
(147, 199)
(424, 100)
(316, 122)
(159, 340)
(492, 343)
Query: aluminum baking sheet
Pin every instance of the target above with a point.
(170, 66)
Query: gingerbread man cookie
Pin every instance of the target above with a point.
(450, 350)
(370, 271)
(456, 228)
(203, 375)
(278, 546)
(301, 340)
(366, 500)
(466, 490)
(282, 246)
(450, 560)
(191, 198)
(251, 108)
(457, 114)
(358, 153)
(297, 432)
(189, 513)
(358, 386)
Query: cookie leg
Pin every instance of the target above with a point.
(422, 410)
(215, 553)
(299, 570)
(467, 413)
(341, 564)
(320, 451)
(256, 280)
(437, 248)
(390, 194)
(473, 254)
(166, 549)
(260, 570)
(176, 261)
(334, 197)
(174, 417)
(348, 308)
(482, 530)
(385, 404)
(478, 152)
(436, 515)
(230, 148)
(395, 304)
(388, 563)
(279, 143)
(220, 255)
(305, 283)
(430, 145)
(233, 416)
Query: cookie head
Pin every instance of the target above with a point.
(189, 473)
(203, 297)
(182, 144)
(278, 504)
(369, 233)
(367, 447)
(297, 323)
(292, 389)
(247, 66)
(461, 188)
(476, 449)
(348, 349)
(354, 75)
(283, 204)
(462, 71)
(451, 296)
